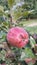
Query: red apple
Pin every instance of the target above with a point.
(17, 37)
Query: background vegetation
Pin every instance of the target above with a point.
(18, 13)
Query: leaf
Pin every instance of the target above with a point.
(2, 36)
(30, 63)
(25, 13)
(32, 42)
(2, 55)
(1, 8)
(22, 56)
(17, 13)
(27, 53)
(10, 2)
(2, 11)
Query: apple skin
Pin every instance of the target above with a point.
(3, 64)
(17, 37)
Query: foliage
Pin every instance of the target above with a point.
(16, 11)
(11, 2)
(21, 54)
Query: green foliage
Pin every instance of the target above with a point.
(32, 42)
(2, 36)
(4, 27)
(1, 10)
(4, 4)
(11, 2)
(26, 53)
(29, 53)
(23, 10)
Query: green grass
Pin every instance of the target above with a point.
(24, 24)
(31, 29)
(27, 22)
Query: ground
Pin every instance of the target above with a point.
(33, 24)
(29, 22)
(30, 25)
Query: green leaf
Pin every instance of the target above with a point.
(25, 13)
(1, 8)
(27, 53)
(11, 2)
(2, 36)
(32, 42)
(22, 56)
(30, 63)
(2, 55)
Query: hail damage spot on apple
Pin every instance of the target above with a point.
(17, 37)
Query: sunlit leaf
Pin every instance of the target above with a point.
(27, 53)
(2, 36)
(32, 42)
(1, 8)
(11, 2)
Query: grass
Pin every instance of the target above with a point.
(27, 22)
(32, 29)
